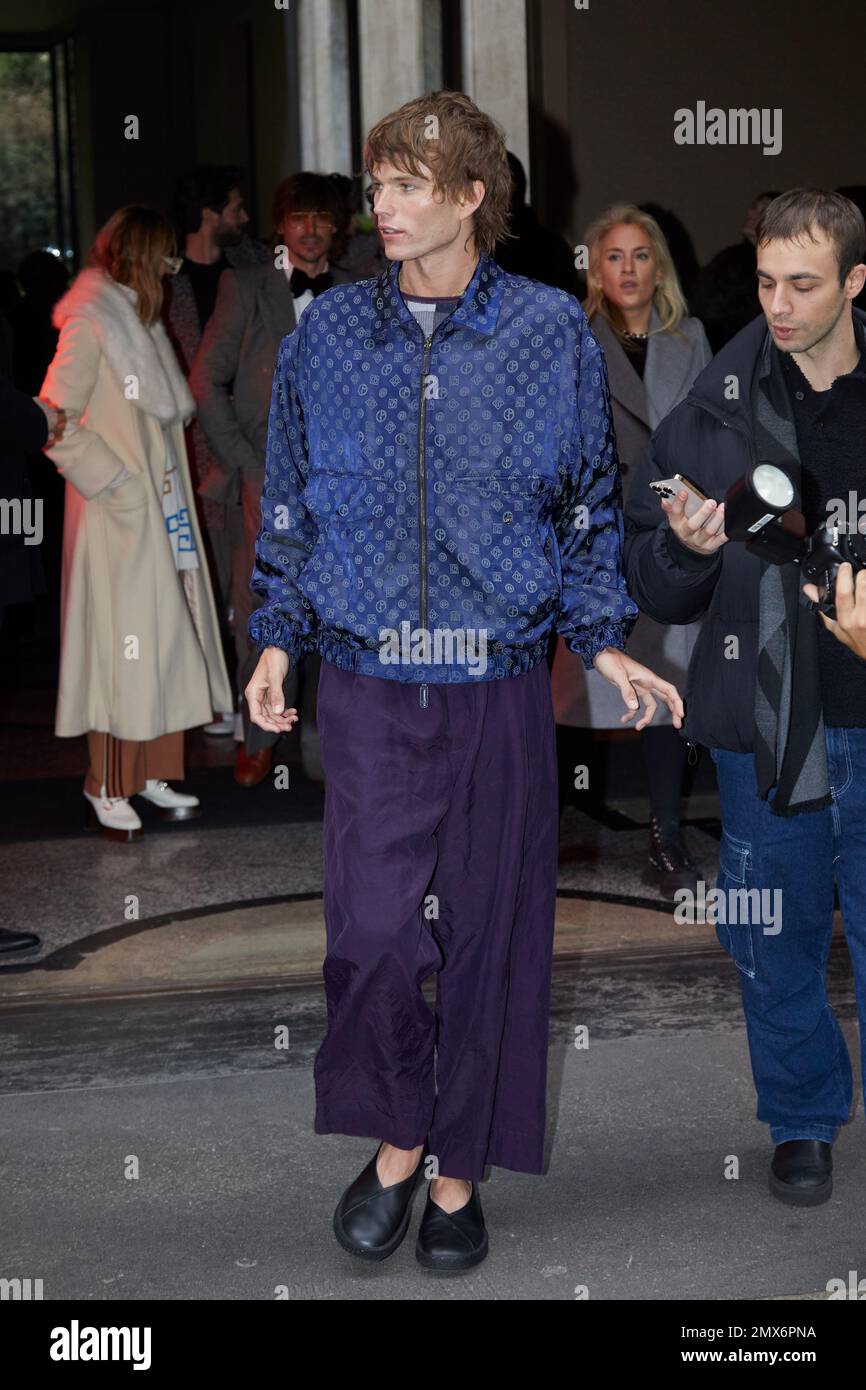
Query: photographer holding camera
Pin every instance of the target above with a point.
(777, 699)
(850, 623)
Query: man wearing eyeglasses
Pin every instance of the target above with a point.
(307, 237)
(231, 377)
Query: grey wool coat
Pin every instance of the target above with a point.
(233, 371)
(584, 698)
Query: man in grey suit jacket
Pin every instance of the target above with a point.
(231, 379)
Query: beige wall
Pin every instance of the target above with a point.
(604, 85)
(607, 81)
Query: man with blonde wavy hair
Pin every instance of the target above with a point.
(441, 475)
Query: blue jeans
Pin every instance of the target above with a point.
(799, 1058)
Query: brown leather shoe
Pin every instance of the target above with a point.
(252, 768)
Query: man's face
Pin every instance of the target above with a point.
(231, 221)
(799, 290)
(307, 235)
(409, 219)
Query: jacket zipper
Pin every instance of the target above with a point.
(422, 501)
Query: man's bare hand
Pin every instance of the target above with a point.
(850, 601)
(635, 682)
(265, 693)
(705, 531)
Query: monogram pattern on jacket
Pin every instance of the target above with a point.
(518, 525)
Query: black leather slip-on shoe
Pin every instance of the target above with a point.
(452, 1240)
(371, 1220)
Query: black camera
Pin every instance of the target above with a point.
(762, 511)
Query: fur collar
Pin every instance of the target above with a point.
(129, 347)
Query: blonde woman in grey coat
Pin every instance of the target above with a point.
(654, 352)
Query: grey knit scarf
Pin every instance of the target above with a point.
(790, 752)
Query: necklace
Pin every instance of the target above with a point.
(637, 337)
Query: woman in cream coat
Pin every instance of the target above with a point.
(653, 353)
(141, 659)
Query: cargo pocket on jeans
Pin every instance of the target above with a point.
(733, 925)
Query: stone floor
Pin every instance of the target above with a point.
(148, 1033)
(234, 1194)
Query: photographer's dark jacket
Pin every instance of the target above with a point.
(710, 437)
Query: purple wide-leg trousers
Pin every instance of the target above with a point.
(440, 843)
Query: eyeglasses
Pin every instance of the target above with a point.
(321, 219)
(174, 263)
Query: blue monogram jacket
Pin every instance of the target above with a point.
(465, 482)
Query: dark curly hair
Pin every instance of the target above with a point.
(310, 192)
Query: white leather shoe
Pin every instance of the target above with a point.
(171, 805)
(222, 727)
(113, 817)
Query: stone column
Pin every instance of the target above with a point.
(400, 43)
(494, 67)
(323, 77)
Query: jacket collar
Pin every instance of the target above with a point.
(748, 358)
(479, 310)
(773, 367)
(765, 365)
(276, 301)
(129, 347)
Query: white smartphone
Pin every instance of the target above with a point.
(669, 487)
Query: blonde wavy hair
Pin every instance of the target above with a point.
(668, 299)
(129, 247)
